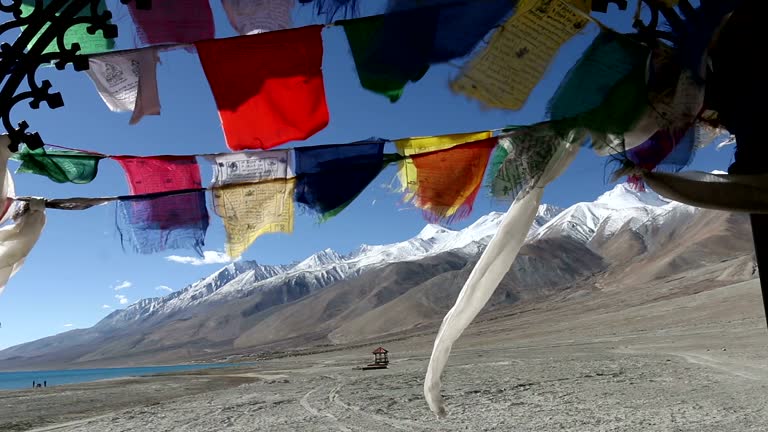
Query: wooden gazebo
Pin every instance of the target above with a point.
(380, 356)
(380, 359)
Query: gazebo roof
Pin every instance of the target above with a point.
(380, 350)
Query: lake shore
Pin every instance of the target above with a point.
(694, 363)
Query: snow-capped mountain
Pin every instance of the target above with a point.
(582, 221)
(241, 279)
(619, 207)
(377, 289)
(193, 294)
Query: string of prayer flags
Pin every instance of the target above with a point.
(392, 49)
(330, 177)
(411, 146)
(506, 71)
(150, 225)
(605, 91)
(258, 16)
(18, 239)
(522, 157)
(178, 21)
(61, 166)
(448, 181)
(78, 33)
(250, 209)
(268, 87)
(127, 81)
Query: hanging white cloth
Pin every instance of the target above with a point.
(7, 188)
(127, 82)
(259, 16)
(18, 239)
(489, 271)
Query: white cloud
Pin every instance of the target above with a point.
(68, 325)
(106, 306)
(209, 257)
(122, 299)
(121, 285)
(164, 288)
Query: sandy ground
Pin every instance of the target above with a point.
(697, 362)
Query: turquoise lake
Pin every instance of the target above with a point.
(21, 380)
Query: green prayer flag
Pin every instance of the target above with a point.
(61, 166)
(89, 43)
(606, 91)
(364, 37)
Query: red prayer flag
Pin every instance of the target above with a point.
(268, 87)
(148, 175)
(177, 21)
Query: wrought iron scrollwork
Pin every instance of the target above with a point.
(44, 25)
(658, 8)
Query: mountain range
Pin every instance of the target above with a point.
(625, 238)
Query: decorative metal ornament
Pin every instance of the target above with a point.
(46, 25)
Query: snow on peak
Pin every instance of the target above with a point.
(548, 211)
(318, 260)
(624, 196)
(616, 208)
(432, 232)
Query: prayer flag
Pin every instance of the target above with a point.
(606, 90)
(18, 239)
(166, 222)
(507, 70)
(522, 157)
(412, 146)
(253, 196)
(447, 181)
(330, 177)
(251, 167)
(399, 46)
(258, 16)
(127, 81)
(250, 210)
(268, 87)
(61, 166)
(78, 33)
(7, 187)
(177, 21)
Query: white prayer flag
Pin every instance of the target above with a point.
(259, 16)
(128, 81)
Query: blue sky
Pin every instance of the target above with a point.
(78, 272)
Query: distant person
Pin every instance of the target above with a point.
(33, 383)
(45, 383)
(39, 385)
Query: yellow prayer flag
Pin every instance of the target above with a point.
(506, 71)
(410, 146)
(250, 210)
